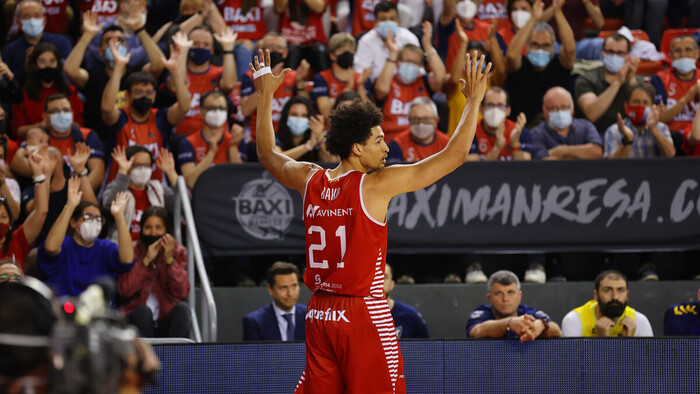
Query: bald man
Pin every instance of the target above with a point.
(560, 135)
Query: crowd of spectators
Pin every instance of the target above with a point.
(105, 103)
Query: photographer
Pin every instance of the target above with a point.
(71, 263)
(154, 289)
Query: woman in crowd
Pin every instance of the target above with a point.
(154, 289)
(301, 131)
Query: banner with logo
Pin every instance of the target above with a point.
(601, 205)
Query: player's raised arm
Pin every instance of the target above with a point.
(399, 179)
(287, 171)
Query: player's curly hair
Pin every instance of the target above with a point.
(351, 124)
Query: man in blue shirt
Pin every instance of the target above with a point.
(683, 319)
(408, 321)
(506, 317)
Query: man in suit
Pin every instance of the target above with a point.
(283, 319)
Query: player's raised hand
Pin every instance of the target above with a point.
(265, 81)
(474, 82)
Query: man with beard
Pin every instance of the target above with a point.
(607, 315)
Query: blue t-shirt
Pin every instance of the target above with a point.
(15, 52)
(683, 319)
(485, 312)
(76, 267)
(408, 321)
(544, 138)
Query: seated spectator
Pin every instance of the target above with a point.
(691, 136)
(93, 80)
(15, 242)
(301, 24)
(301, 132)
(448, 40)
(283, 319)
(679, 320)
(44, 78)
(70, 263)
(640, 134)
(499, 138)
(506, 317)
(32, 18)
(292, 85)
(134, 179)
(408, 322)
(372, 49)
(10, 271)
(607, 315)
(560, 135)
(63, 133)
(341, 77)
(600, 93)
(140, 123)
(519, 12)
(201, 75)
(213, 144)
(401, 81)
(154, 289)
(422, 139)
(531, 75)
(677, 87)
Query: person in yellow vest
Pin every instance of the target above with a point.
(608, 314)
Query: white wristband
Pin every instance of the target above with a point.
(261, 72)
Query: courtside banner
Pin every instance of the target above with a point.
(486, 207)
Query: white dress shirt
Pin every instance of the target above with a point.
(281, 321)
(371, 51)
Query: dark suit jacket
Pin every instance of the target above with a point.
(261, 325)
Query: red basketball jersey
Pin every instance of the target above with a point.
(413, 151)
(395, 108)
(198, 84)
(250, 25)
(363, 15)
(345, 247)
(106, 10)
(283, 93)
(478, 33)
(677, 88)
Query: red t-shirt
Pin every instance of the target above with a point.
(250, 25)
(141, 204)
(106, 10)
(485, 141)
(479, 32)
(18, 248)
(298, 34)
(198, 84)
(489, 9)
(32, 111)
(200, 147)
(413, 151)
(395, 108)
(675, 89)
(279, 99)
(346, 248)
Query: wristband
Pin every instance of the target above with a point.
(139, 30)
(81, 173)
(430, 52)
(625, 141)
(39, 179)
(390, 60)
(264, 70)
(228, 52)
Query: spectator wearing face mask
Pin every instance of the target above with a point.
(447, 40)
(134, 180)
(520, 12)
(214, 144)
(560, 135)
(341, 77)
(292, 85)
(496, 137)
(400, 81)
(373, 48)
(44, 78)
(530, 76)
(70, 263)
(422, 139)
(640, 134)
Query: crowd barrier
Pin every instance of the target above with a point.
(609, 365)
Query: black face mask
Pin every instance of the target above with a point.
(276, 58)
(148, 240)
(345, 60)
(141, 105)
(47, 74)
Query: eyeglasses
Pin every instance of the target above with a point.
(617, 53)
(566, 107)
(425, 119)
(492, 105)
(99, 219)
(10, 278)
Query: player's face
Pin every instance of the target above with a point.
(285, 291)
(375, 150)
(505, 299)
(612, 296)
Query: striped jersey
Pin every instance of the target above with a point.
(345, 247)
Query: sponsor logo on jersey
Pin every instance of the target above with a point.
(264, 208)
(327, 315)
(313, 211)
(685, 309)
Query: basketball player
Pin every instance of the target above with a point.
(351, 343)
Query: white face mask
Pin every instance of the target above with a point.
(494, 117)
(215, 118)
(520, 18)
(422, 131)
(139, 176)
(90, 229)
(466, 9)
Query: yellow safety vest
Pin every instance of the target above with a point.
(586, 313)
